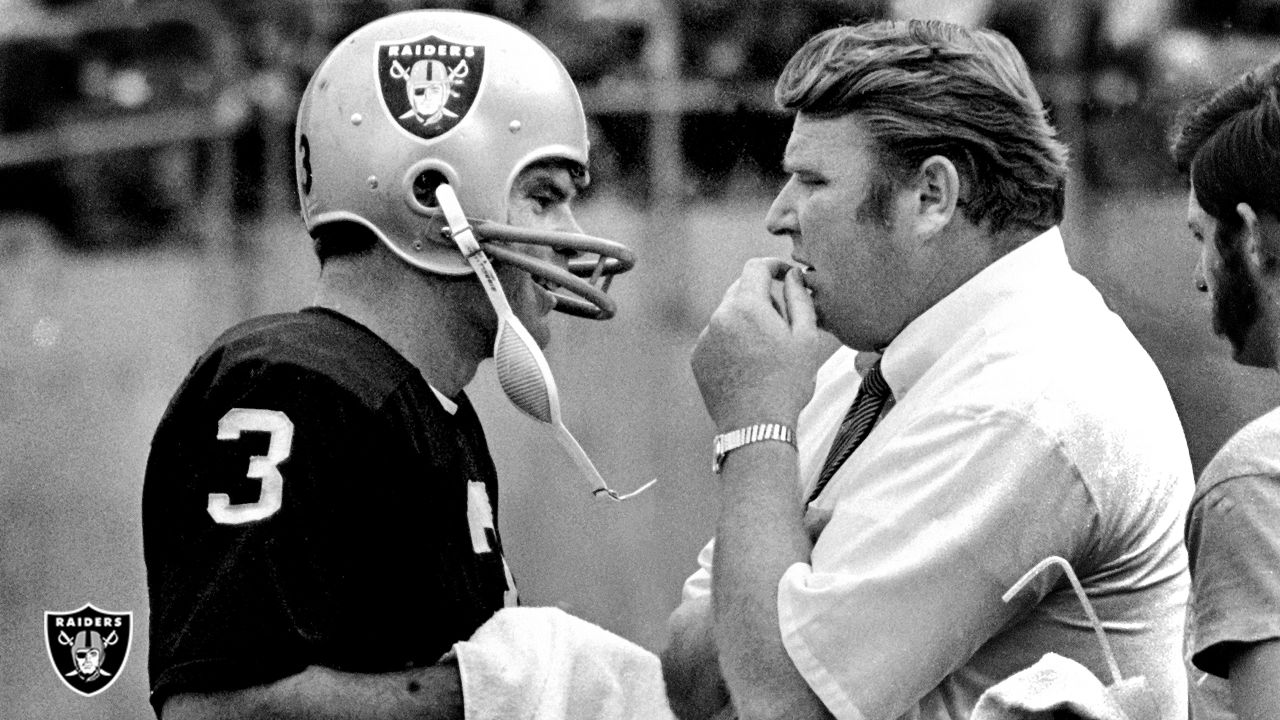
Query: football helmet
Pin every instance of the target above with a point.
(425, 97)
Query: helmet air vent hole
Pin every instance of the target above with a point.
(424, 187)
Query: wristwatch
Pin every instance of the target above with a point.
(734, 439)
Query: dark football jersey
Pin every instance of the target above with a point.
(309, 500)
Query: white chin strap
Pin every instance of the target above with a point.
(522, 369)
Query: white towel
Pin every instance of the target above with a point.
(1059, 687)
(544, 664)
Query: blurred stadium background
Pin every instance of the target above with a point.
(148, 203)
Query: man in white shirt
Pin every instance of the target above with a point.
(1018, 417)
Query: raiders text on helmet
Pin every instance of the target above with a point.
(428, 96)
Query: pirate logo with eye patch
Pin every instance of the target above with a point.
(429, 84)
(88, 647)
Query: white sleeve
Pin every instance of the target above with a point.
(904, 583)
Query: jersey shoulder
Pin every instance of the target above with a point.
(315, 342)
(316, 349)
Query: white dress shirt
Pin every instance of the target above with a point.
(1028, 422)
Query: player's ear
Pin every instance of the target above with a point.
(1260, 238)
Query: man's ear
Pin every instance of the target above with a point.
(937, 191)
(1261, 240)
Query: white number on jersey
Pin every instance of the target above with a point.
(261, 467)
(480, 520)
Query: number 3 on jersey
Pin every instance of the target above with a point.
(264, 468)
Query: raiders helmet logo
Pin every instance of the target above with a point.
(88, 647)
(429, 84)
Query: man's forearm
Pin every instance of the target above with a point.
(430, 693)
(759, 536)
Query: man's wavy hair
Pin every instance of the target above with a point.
(926, 87)
(1229, 144)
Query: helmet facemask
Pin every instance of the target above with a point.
(523, 371)
(582, 288)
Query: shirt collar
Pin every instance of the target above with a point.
(446, 402)
(926, 338)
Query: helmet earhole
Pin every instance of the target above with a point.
(424, 187)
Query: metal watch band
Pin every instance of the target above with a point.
(734, 439)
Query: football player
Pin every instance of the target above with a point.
(320, 507)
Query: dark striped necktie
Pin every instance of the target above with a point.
(873, 393)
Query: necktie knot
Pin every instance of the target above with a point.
(873, 394)
(874, 384)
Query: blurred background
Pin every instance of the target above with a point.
(147, 203)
